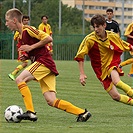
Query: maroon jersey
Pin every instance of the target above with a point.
(42, 55)
(130, 40)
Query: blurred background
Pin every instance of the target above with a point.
(69, 19)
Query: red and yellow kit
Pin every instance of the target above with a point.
(31, 35)
(129, 31)
(46, 28)
(104, 55)
(16, 38)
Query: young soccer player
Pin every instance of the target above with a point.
(42, 69)
(25, 21)
(104, 49)
(129, 35)
(44, 26)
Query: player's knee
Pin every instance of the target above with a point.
(116, 97)
(115, 82)
(18, 80)
(50, 102)
(25, 64)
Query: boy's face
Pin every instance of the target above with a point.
(25, 21)
(109, 15)
(44, 20)
(99, 29)
(10, 23)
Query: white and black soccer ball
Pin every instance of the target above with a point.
(12, 112)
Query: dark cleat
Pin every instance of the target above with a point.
(84, 116)
(28, 116)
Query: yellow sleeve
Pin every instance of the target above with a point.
(16, 35)
(33, 32)
(84, 48)
(50, 30)
(129, 29)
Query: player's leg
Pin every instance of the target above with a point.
(131, 71)
(121, 85)
(48, 89)
(18, 69)
(21, 81)
(126, 62)
(120, 97)
(31, 72)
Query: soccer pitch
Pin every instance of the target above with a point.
(108, 116)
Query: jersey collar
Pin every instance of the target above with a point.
(99, 38)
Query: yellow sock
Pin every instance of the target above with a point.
(126, 88)
(26, 94)
(125, 99)
(131, 70)
(68, 107)
(17, 69)
(128, 61)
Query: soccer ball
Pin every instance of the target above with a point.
(12, 112)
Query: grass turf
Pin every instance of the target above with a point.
(108, 116)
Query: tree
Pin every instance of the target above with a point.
(71, 17)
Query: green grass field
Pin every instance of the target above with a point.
(108, 116)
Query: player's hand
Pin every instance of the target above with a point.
(23, 57)
(82, 79)
(25, 48)
(131, 48)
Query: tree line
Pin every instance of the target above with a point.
(71, 18)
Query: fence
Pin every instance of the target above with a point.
(65, 46)
(5, 46)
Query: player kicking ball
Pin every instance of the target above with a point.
(42, 69)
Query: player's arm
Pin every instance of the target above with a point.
(128, 30)
(39, 44)
(118, 29)
(40, 35)
(129, 36)
(82, 76)
(82, 51)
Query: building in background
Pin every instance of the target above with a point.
(123, 9)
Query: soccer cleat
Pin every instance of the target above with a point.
(84, 116)
(11, 76)
(28, 116)
(130, 75)
(121, 72)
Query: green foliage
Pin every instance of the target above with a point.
(71, 18)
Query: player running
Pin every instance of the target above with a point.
(42, 69)
(104, 49)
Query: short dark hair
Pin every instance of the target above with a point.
(26, 17)
(109, 10)
(98, 20)
(44, 16)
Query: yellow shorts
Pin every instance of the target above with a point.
(44, 76)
